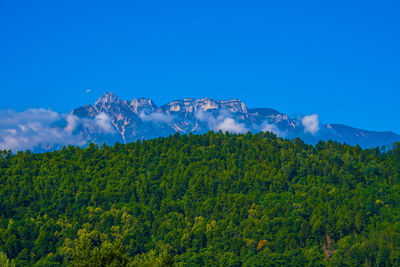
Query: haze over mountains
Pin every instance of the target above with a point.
(111, 119)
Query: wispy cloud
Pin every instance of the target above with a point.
(72, 123)
(223, 122)
(156, 117)
(44, 128)
(103, 122)
(230, 125)
(88, 90)
(311, 123)
(267, 127)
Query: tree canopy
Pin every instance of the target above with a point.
(195, 200)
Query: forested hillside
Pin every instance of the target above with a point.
(213, 199)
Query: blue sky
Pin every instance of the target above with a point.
(339, 59)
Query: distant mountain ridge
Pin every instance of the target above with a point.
(141, 118)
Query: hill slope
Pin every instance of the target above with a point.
(213, 199)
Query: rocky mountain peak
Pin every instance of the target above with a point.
(141, 118)
(185, 105)
(190, 105)
(143, 104)
(206, 103)
(106, 100)
(232, 105)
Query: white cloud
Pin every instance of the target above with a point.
(311, 124)
(103, 121)
(266, 127)
(12, 118)
(156, 117)
(230, 125)
(206, 117)
(222, 122)
(72, 123)
(88, 91)
(35, 128)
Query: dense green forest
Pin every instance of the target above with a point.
(214, 199)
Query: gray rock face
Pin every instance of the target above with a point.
(139, 105)
(141, 118)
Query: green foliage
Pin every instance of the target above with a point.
(4, 261)
(213, 199)
(152, 259)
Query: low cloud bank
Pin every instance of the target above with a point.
(222, 122)
(267, 127)
(230, 125)
(37, 129)
(44, 128)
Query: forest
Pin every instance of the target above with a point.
(202, 200)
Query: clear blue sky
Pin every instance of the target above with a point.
(339, 59)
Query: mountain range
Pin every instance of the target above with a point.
(141, 118)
